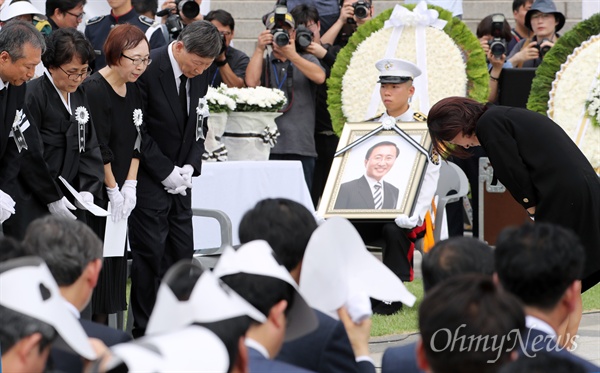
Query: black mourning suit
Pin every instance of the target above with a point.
(160, 227)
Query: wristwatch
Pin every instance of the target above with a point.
(221, 63)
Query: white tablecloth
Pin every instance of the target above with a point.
(235, 187)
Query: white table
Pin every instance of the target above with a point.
(235, 187)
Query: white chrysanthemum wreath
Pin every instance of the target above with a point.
(570, 90)
(446, 71)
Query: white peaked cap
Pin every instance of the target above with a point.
(257, 258)
(395, 70)
(27, 287)
(211, 300)
(192, 349)
(19, 8)
(337, 265)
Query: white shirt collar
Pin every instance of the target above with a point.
(533, 322)
(258, 347)
(407, 116)
(176, 69)
(72, 309)
(2, 84)
(62, 98)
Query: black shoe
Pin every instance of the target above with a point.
(383, 308)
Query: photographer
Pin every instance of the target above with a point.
(297, 75)
(545, 21)
(176, 14)
(352, 14)
(326, 141)
(493, 32)
(230, 66)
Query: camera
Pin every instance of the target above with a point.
(543, 50)
(223, 44)
(303, 37)
(281, 36)
(362, 9)
(498, 43)
(189, 8)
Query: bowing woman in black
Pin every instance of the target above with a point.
(535, 159)
(60, 110)
(116, 104)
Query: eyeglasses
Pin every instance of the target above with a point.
(75, 76)
(78, 16)
(138, 61)
(542, 15)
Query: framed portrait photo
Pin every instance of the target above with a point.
(379, 175)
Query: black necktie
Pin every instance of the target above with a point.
(183, 95)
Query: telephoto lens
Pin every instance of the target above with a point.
(361, 9)
(303, 37)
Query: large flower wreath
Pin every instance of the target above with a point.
(448, 75)
(563, 84)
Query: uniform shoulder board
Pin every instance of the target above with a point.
(146, 20)
(419, 117)
(374, 119)
(91, 21)
(435, 158)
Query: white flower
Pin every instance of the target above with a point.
(218, 100)
(81, 115)
(388, 123)
(202, 108)
(138, 117)
(257, 98)
(573, 97)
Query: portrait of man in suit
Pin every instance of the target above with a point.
(370, 191)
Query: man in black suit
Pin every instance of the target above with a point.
(73, 253)
(542, 265)
(21, 47)
(334, 347)
(446, 259)
(160, 227)
(369, 191)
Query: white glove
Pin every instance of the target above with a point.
(128, 191)
(175, 183)
(186, 172)
(403, 221)
(7, 206)
(61, 208)
(358, 305)
(87, 198)
(116, 203)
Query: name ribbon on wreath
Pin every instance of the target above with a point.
(421, 17)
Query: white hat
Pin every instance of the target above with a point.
(19, 8)
(223, 303)
(394, 70)
(337, 266)
(257, 258)
(193, 349)
(27, 287)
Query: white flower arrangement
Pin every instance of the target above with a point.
(219, 101)
(257, 99)
(570, 93)
(138, 117)
(446, 71)
(593, 104)
(81, 115)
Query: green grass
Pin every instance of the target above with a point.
(406, 321)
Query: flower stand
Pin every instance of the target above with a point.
(249, 136)
(215, 150)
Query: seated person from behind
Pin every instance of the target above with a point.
(230, 66)
(545, 21)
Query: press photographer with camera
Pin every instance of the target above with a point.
(495, 38)
(352, 14)
(276, 63)
(230, 66)
(545, 21)
(176, 14)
